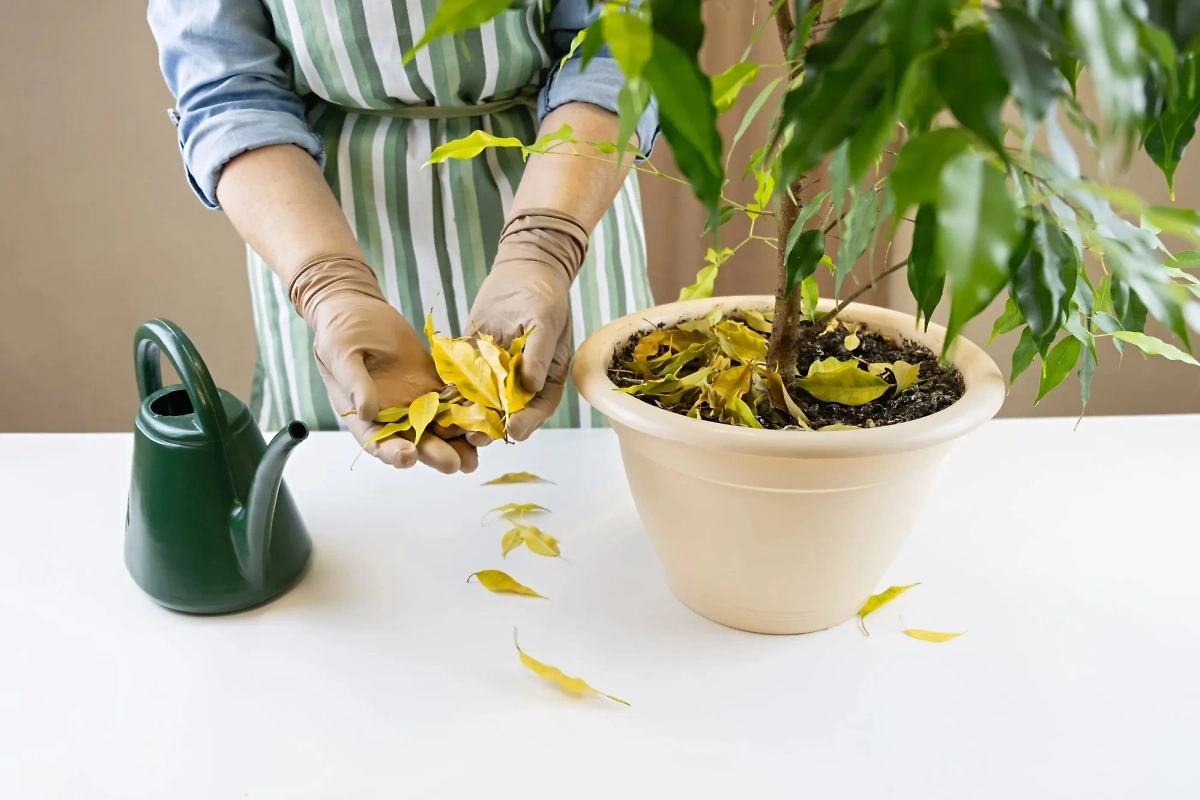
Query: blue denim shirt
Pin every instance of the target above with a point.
(233, 93)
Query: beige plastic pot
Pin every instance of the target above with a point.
(779, 531)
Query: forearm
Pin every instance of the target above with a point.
(581, 187)
(277, 199)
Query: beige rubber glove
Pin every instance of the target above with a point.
(527, 291)
(370, 357)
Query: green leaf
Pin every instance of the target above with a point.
(703, 286)
(834, 381)
(1107, 36)
(809, 297)
(803, 257)
(724, 214)
(684, 94)
(839, 176)
(1020, 46)
(969, 77)
(752, 111)
(630, 40)
(873, 134)
(632, 100)
(1087, 368)
(455, 16)
(976, 233)
(1022, 356)
(1155, 347)
(471, 145)
(926, 274)
(920, 102)
(743, 414)
(729, 84)
(1058, 364)
(1044, 280)
(1010, 320)
(857, 228)
(916, 174)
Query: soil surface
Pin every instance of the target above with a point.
(938, 385)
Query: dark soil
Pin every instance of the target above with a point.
(938, 385)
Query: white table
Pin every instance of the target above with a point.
(1070, 557)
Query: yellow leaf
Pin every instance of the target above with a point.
(739, 342)
(883, 598)
(496, 581)
(782, 399)
(497, 359)
(517, 345)
(704, 325)
(516, 396)
(756, 320)
(839, 426)
(392, 414)
(421, 413)
(743, 414)
(471, 146)
(459, 363)
(932, 636)
(472, 417)
(514, 511)
(731, 384)
(391, 429)
(906, 374)
(578, 685)
(842, 382)
(537, 540)
(429, 331)
(509, 541)
(516, 477)
(851, 342)
(674, 339)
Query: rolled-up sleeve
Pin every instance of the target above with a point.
(599, 83)
(231, 85)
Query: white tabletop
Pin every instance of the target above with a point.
(1070, 557)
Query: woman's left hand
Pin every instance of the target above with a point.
(528, 291)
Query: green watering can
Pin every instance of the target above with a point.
(210, 528)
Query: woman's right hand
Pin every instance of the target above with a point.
(370, 357)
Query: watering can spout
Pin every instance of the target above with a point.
(252, 524)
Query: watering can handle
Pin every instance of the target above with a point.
(160, 334)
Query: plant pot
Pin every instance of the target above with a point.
(779, 531)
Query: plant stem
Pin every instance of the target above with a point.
(821, 322)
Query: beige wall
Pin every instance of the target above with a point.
(99, 230)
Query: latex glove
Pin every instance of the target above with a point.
(528, 290)
(370, 357)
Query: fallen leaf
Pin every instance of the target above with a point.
(742, 413)
(672, 338)
(391, 429)
(496, 581)
(756, 320)
(498, 360)
(458, 362)
(578, 685)
(390, 414)
(537, 540)
(516, 396)
(782, 399)
(906, 374)
(704, 325)
(851, 342)
(730, 385)
(421, 413)
(472, 417)
(932, 636)
(842, 382)
(883, 598)
(840, 426)
(516, 477)
(739, 342)
(514, 511)
(510, 541)
(517, 345)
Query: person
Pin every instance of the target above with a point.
(300, 120)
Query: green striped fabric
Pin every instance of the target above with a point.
(429, 234)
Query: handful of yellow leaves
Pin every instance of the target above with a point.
(483, 389)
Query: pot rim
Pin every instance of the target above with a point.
(985, 389)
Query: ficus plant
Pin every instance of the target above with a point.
(958, 97)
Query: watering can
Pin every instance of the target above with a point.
(210, 526)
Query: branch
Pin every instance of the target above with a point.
(786, 26)
(857, 293)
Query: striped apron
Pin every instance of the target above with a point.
(430, 233)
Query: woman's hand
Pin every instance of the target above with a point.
(369, 358)
(528, 292)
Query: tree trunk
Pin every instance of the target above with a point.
(785, 328)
